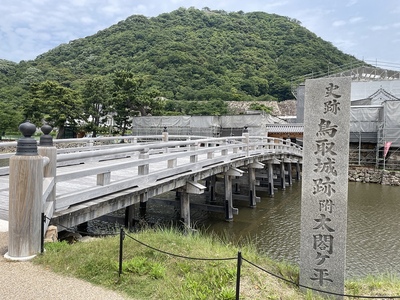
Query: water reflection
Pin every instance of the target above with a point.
(274, 226)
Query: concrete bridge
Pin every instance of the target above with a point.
(69, 182)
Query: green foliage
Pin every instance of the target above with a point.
(262, 107)
(56, 247)
(206, 284)
(10, 118)
(192, 54)
(148, 274)
(188, 54)
(53, 103)
(143, 266)
(200, 108)
(96, 99)
(132, 96)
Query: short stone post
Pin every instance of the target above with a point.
(25, 198)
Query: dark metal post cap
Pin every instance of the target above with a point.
(46, 140)
(27, 145)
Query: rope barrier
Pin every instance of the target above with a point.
(177, 255)
(317, 290)
(262, 269)
(240, 258)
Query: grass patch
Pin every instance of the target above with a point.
(149, 274)
(378, 285)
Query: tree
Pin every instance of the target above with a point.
(55, 104)
(131, 97)
(262, 107)
(10, 118)
(96, 94)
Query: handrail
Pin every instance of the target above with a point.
(214, 151)
(147, 168)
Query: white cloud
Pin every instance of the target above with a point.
(345, 44)
(339, 23)
(355, 20)
(379, 28)
(351, 3)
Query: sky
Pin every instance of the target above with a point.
(366, 29)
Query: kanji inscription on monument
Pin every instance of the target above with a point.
(325, 184)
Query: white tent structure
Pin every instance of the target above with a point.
(374, 115)
(204, 125)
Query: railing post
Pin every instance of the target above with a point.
(238, 271)
(165, 138)
(194, 158)
(246, 139)
(165, 135)
(224, 152)
(121, 249)
(47, 149)
(144, 169)
(25, 198)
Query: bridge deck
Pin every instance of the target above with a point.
(95, 186)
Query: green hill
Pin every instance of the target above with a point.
(188, 54)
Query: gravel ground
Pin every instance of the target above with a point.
(24, 280)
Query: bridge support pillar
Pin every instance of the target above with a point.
(143, 206)
(232, 172)
(190, 188)
(129, 215)
(185, 209)
(253, 182)
(298, 172)
(282, 175)
(288, 161)
(237, 188)
(271, 176)
(210, 183)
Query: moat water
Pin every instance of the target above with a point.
(373, 227)
(373, 230)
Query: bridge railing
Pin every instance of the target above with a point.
(102, 143)
(157, 161)
(144, 162)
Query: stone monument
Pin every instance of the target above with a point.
(325, 184)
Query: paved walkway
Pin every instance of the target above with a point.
(26, 281)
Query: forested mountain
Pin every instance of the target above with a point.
(188, 54)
